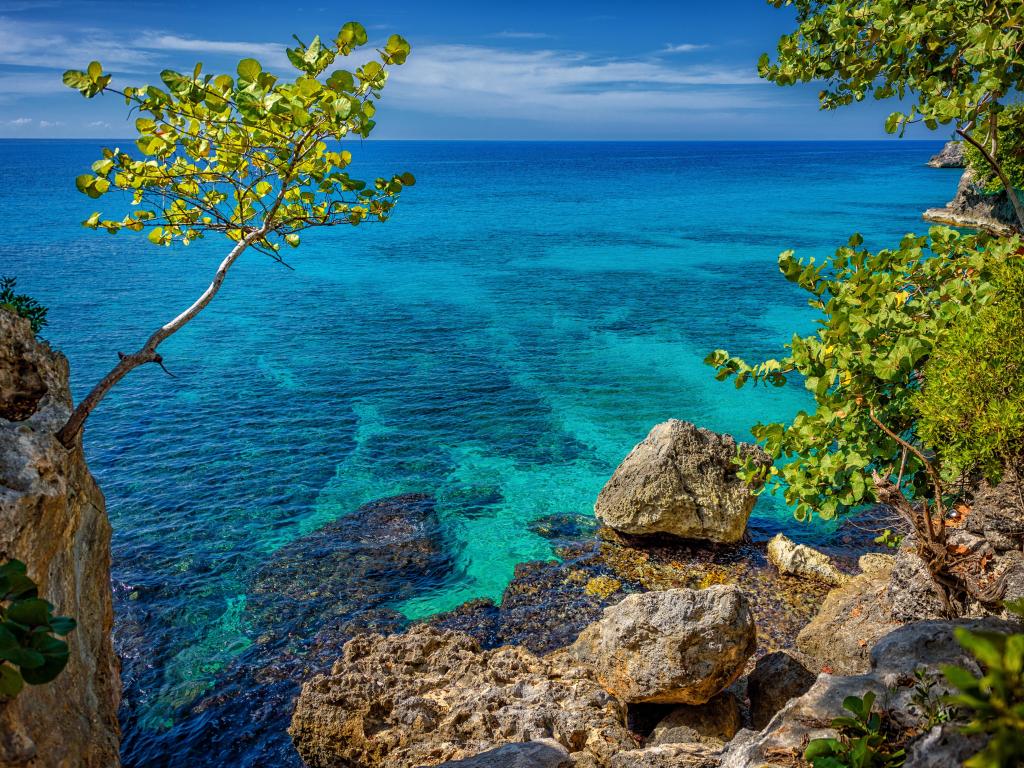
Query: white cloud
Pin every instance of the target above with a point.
(19, 122)
(44, 45)
(98, 124)
(684, 47)
(165, 42)
(511, 34)
(50, 123)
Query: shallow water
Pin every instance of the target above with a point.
(526, 317)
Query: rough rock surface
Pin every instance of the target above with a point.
(542, 753)
(428, 696)
(950, 156)
(973, 209)
(53, 518)
(668, 756)
(924, 644)
(777, 678)
(681, 480)
(800, 560)
(875, 561)
(912, 593)
(713, 723)
(852, 618)
(678, 646)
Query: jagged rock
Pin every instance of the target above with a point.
(681, 480)
(713, 723)
(678, 646)
(912, 593)
(875, 561)
(668, 756)
(777, 678)
(950, 156)
(53, 518)
(925, 645)
(800, 560)
(852, 618)
(542, 753)
(943, 746)
(428, 696)
(973, 209)
(997, 512)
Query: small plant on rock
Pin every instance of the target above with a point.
(863, 741)
(22, 305)
(30, 651)
(928, 700)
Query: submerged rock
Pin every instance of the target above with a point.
(678, 646)
(429, 696)
(681, 480)
(950, 156)
(800, 560)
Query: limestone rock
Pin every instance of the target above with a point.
(950, 156)
(428, 696)
(800, 560)
(875, 561)
(713, 723)
(681, 480)
(943, 746)
(777, 678)
(974, 209)
(542, 753)
(912, 593)
(53, 518)
(852, 618)
(677, 646)
(668, 756)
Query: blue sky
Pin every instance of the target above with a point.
(516, 70)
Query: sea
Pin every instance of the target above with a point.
(528, 314)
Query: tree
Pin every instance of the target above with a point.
(949, 61)
(253, 158)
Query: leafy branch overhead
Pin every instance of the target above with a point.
(250, 156)
(253, 157)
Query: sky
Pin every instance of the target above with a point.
(524, 70)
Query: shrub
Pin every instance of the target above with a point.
(22, 305)
(1009, 152)
(863, 741)
(972, 403)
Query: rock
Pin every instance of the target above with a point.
(943, 746)
(997, 512)
(950, 156)
(713, 723)
(852, 618)
(972, 208)
(668, 756)
(912, 593)
(429, 696)
(924, 645)
(678, 646)
(777, 678)
(800, 560)
(681, 480)
(542, 753)
(875, 561)
(53, 518)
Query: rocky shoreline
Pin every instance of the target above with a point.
(970, 207)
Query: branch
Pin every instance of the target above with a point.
(1011, 192)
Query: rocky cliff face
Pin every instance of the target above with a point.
(973, 209)
(53, 518)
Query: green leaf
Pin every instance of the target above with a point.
(249, 70)
(33, 612)
(10, 681)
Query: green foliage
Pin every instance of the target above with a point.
(948, 61)
(251, 156)
(22, 305)
(1009, 152)
(889, 538)
(995, 701)
(972, 403)
(862, 741)
(928, 700)
(882, 315)
(29, 649)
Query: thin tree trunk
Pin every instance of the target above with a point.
(148, 353)
(1011, 193)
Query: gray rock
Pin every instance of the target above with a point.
(942, 747)
(997, 512)
(875, 561)
(800, 560)
(681, 480)
(427, 696)
(852, 618)
(713, 723)
(542, 753)
(680, 646)
(973, 209)
(777, 678)
(53, 518)
(950, 156)
(668, 756)
(912, 593)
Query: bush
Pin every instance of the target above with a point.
(1010, 152)
(22, 305)
(972, 403)
(863, 741)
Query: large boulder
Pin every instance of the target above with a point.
(428, 696)
(950, 156)
(680, 646)
(53, 518)
(777, 678)
(681, 480)
(800, 560)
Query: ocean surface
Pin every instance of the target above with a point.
(529, 313)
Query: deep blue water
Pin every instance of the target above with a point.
(528, 314)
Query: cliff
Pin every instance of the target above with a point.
(53, 518)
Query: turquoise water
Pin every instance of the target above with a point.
(524, 319)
